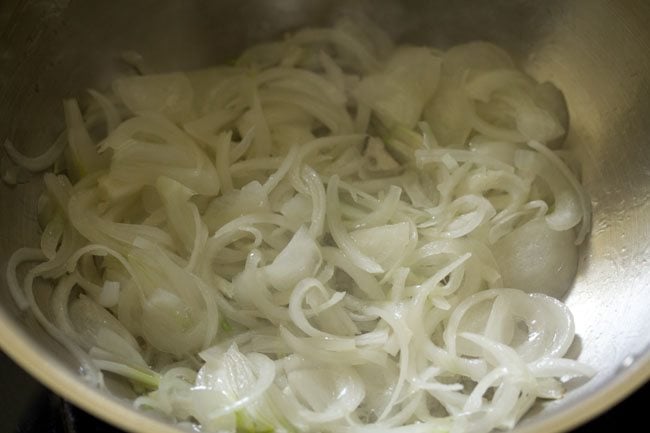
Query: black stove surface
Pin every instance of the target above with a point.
(28, 407)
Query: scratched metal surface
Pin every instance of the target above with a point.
(596, 52)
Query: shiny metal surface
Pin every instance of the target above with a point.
(596, 52)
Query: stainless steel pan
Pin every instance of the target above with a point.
(596, 52)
